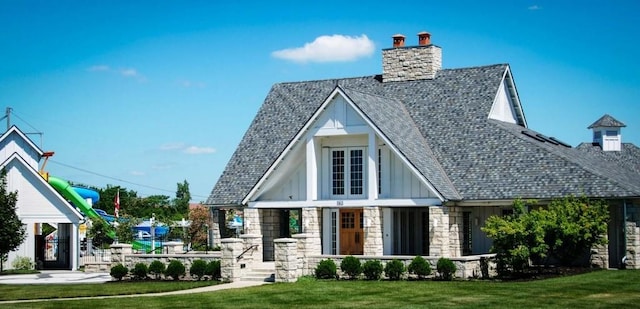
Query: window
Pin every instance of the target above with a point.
(348, 172)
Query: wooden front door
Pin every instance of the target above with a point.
(351, 235)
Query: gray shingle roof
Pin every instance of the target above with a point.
(606, 121)
(441, 126)
(628, 156)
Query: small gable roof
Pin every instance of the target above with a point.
(606, 121)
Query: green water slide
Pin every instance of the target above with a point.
(66, 190)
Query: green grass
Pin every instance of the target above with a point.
(601, 289)
(44, 291)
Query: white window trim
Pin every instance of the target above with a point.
(347, 173)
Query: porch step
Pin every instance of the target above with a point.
(260, 272)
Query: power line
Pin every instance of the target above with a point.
(118, 179)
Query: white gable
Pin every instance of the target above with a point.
(502, 108)
(339, 118)
(14, 141)
(37, 200)
(336, 125)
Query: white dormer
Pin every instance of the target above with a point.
(606, 133)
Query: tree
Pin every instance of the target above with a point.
(12, 232)
(125, 227)
(199, 217)
(565, 230)
(99, 233)
(183, 196)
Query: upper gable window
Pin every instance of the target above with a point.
(347, 172)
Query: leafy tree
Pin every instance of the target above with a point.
(99, 233)
(12, 232)
(183, 196)
(565, 230)
(124, 230)
(197, 234)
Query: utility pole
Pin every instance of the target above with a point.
(8, 115)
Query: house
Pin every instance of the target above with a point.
(409, 162)
(50, 221)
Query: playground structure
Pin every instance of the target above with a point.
(79, 197)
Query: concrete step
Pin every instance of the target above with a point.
(261, 272)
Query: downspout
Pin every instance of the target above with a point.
(623, 264)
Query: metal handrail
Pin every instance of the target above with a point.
(239, 257)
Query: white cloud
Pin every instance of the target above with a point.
(534, 7)
(129, 72)
(199, 150)
(334, 48)
(137, 173)
(125, 72)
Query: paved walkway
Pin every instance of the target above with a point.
(81, 277)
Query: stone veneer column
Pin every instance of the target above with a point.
(312, 230)
(373, 242)
(286, 256)
(229, 266)
(633, 245)
(455, 231)
(438, 231)
(173, 247)
(253, 255)
(252, 221)
(600, 255)
(215, 227)
(119, 252)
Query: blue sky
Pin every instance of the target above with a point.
(146, 94)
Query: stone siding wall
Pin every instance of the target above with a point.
(455, 231)
(270, 231)
(411, 63)
(373, 241)
(439, 232)
(633, 245)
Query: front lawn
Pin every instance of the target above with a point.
(44, 291)
(600, 289)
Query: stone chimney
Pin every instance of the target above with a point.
(405, 63)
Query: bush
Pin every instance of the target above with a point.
(394, 269)
(213, 270)
(198, 269)
(446, 268)
(326, 269)
(22, 263)
(175, 269)
(420, 267)
(119, 271)
(372, 269)
(156, 268)
(351, 266)
(140, 271)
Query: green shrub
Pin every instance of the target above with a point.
(395, 269)
(446, 268)
(156, 268)
(198, 269)
(22, 263)
(351, 266)
(213, 270)
(326, 269)
(140, 271)
(175, 269)
(420, 267)
(119, 271)
(372, 269)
